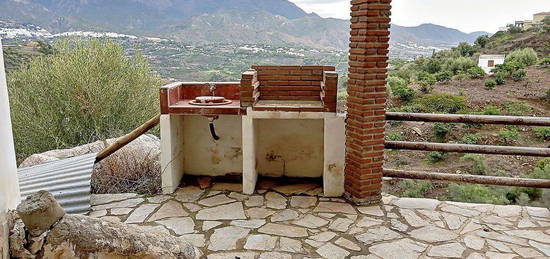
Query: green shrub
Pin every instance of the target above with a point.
(85, 91)
(444, 76)
(435, 156)
(394, 136)
(518, 108)
(414, 107)
(508, 68)
(548, 95)
(541, 171)
(500, 79)
(545, 61)
(457, 65)
(395, 82)
(426, 81)
(491, 110)
(404, 93)
(415, 189)
(479, 166)
(543, 163)
(482, 41)
(477, 194)
(476, 72)
(490, 84)
(526, 56)
(441, 130)
(465, 49)
(519, 75)
(543, 133)
(471, 138)
(508, 135)
(443, 103)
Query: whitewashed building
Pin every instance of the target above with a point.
(488, 62)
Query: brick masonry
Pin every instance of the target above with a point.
(369, 47)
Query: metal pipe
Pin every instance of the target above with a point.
(468, 118)
(462, 178)
(212, 128)
(463, 148)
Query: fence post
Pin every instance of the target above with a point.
(369, 37)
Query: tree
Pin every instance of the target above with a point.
(85, 91)
(482, 41)
(465, 49)
(546, 24)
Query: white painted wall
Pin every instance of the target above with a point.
(9, 186)
(484, 62)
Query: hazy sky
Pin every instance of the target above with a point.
(465, 15)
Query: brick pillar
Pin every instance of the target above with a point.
(370, 23)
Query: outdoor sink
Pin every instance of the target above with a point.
(210, 101)
(201, 98)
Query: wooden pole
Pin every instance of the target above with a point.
(463, 148)
(463, 178)
(467, 118)
(124, 140)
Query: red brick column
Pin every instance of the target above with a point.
(370, 23)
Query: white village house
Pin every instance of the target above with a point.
(488, 62)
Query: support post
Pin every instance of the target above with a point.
(171, 147)
(370, 23)
(9, 184)
(334, 155)
(250, 174)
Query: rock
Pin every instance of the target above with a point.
(241, 255)
(378, 234)
(18, 242)
(310, 221)
(188, 194)
(159, 198)
(204, 182)
(121, 211)
(295, 188)
(507, 211)
(222, 212)
(323, 236)
(283, 230)
(112, 219)
(535, 235)
(545, 248)
(255, 201)
(331, 251)
(196, 240)
(259, 213)
(526, 252)
(475, 256)
(180, 226)
(460, 211)
(120, 204)
(413, 219)
(454, 221)
(39, 211)
(340, 224)
(251, 223)
(98, 199)
(141, 213)
(493, 255)
(400, 249)
(290, 245)
(372, 210)
(416, 203)
(97, 213)
(433, 234)
(303, 202)
(238, 196)
(452, 250)
(417, 130)
(474, 242)
(347, 244)
(366, 222)
(526, 223)
(398, 225)
(216, 200)
(226, 238)
(124, 240)
(170, 209)
(207, 225)
(335, 207)
(36, 243)
(284, 215)
(275, 200)
(275, 255)
(160, 229)
(501, 247)
(260, 242)
(538, 212)
(192, 207)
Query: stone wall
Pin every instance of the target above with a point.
(366, 103)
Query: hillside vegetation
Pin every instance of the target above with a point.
(451, 82)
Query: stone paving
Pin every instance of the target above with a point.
(293, 222)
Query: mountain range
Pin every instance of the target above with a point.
(207, 21)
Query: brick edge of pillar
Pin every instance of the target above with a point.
(365, 121)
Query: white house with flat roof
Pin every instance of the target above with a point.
(488, 62)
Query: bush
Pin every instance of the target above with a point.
(518, 108)
(479, 166)
(415, 189)
(482, 41)
(471, 139)
(490, 84)
(444, 76)
(526, 56)
(477, 194)
(404, 93)
(500, 79)
(543, 133)
(457, 65)
(465, 49)
(476, 72)
(519, 75)
(426, 81)
(541, 171)
(508, 135)
(441, 129)
(435, 156)
(506, 69)
(548, 95)
(85, 91)
(394, 136)
(443, 103)
(545, 61)
(491, 110)
(395, 82)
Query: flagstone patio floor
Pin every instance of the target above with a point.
(294, 222)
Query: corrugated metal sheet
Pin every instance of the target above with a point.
(68, 180)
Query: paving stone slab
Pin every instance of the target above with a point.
(335, 207)
(222, 212)
(180, 226)
(372, 211)
(340, 224)
(216, 200)
(120, 204)
(121, 211)
(196, 240)
(275, 200)
(433, 234)
(348, 244)
(226, 238)
(452, 250)
(311, 221)
(399, 249)
(295, 188)
(283, 230)
(159, 198)
(207, 225)
(378, 234)
(259, 213)
(141, 213)
(474, 242)
(284, 215)
(275, 255)
(252, 223)
(323, 236)
(303, 202)
(170, 209)
(332, 251)
(290, 245)
(255, 201)
(416, 203)
(544, 248)
(260, 242)
(189, 194)
(98, 199)
(243, 255)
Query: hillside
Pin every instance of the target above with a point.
(505, 42)
(217, 21)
